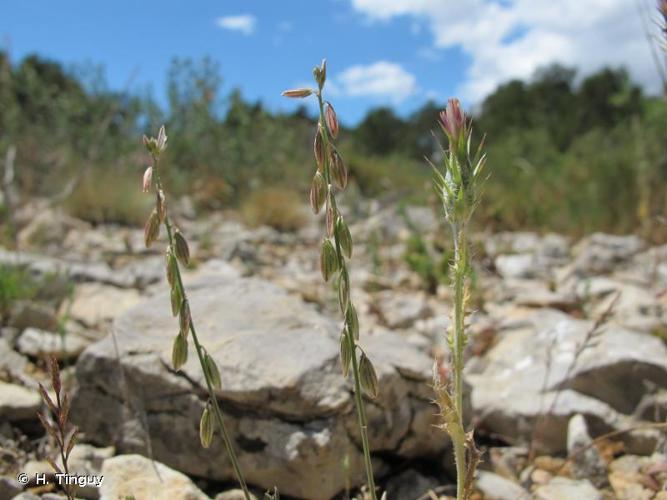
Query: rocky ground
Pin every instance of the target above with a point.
(565, 406)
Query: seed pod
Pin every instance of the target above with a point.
(345, 353)
(318, 148)
(179, 353)
(344, 237)
(151, 229)
(330, 218)
(332, 120)
(318, 192)
(352, 321)
(161, 205)
(206, 427)
(212, 372)
(343, 290)
(297, 93)
(328, 259)
(367, 376)
(181, 248)
(176, 300)
(184, 317)
(338, 169)
(171, 268)
(148, 178)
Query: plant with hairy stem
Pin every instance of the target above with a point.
(56, 424)
(336, 248)
(178, 252)
(458, 185)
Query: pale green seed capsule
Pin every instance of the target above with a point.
(179, 353)
(171, 268)
(212, 371)
(184, 318)
(367, 377)
(318, 192)
(328, 260)
(151, 229)
(161, 205)
(343, 290)
(176, 300)
(206, 427)
(352, 321)
(344, 237)
(345, 353)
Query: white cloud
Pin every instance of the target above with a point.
(382, 79)
(513, 38)
(244, 23)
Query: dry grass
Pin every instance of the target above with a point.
(279, 208)
(109, 197)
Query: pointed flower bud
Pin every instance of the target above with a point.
(151, 229)
(330, 218)
(453, 120)
(352, 321)
(298, 93)
(368, 377)
(343, 290)
(181, 248)
(318, 192)
(171, 269)
(320, 73)
(148, 179)
(176, 300)
(206, 427)
(332, 120)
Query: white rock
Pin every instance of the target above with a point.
(18, 403)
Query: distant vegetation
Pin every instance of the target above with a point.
(568, 155)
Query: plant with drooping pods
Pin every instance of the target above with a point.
(458, 183)
(177, 253)
(56, 424)
(336, 249)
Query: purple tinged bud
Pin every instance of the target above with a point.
(453, 120)
(297, 93)
(332, 120)
(148, 179)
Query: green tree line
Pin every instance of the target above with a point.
(569, 154)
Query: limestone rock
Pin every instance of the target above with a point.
(40, 344)
(94, 303)
(495, 487)
(560, 488)
(18, 403)
(290, 412)
(145, 479)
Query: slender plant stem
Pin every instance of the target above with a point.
(459, 345)
(200, 354)
(359, 402)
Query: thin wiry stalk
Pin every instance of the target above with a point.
(209, 370)
(332, 171)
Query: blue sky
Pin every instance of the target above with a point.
(380, 52)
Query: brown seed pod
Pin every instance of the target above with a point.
(297, 93)
(318, 148)
(181, 248)
(368, 377)
(338, 169)
(332, 120)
